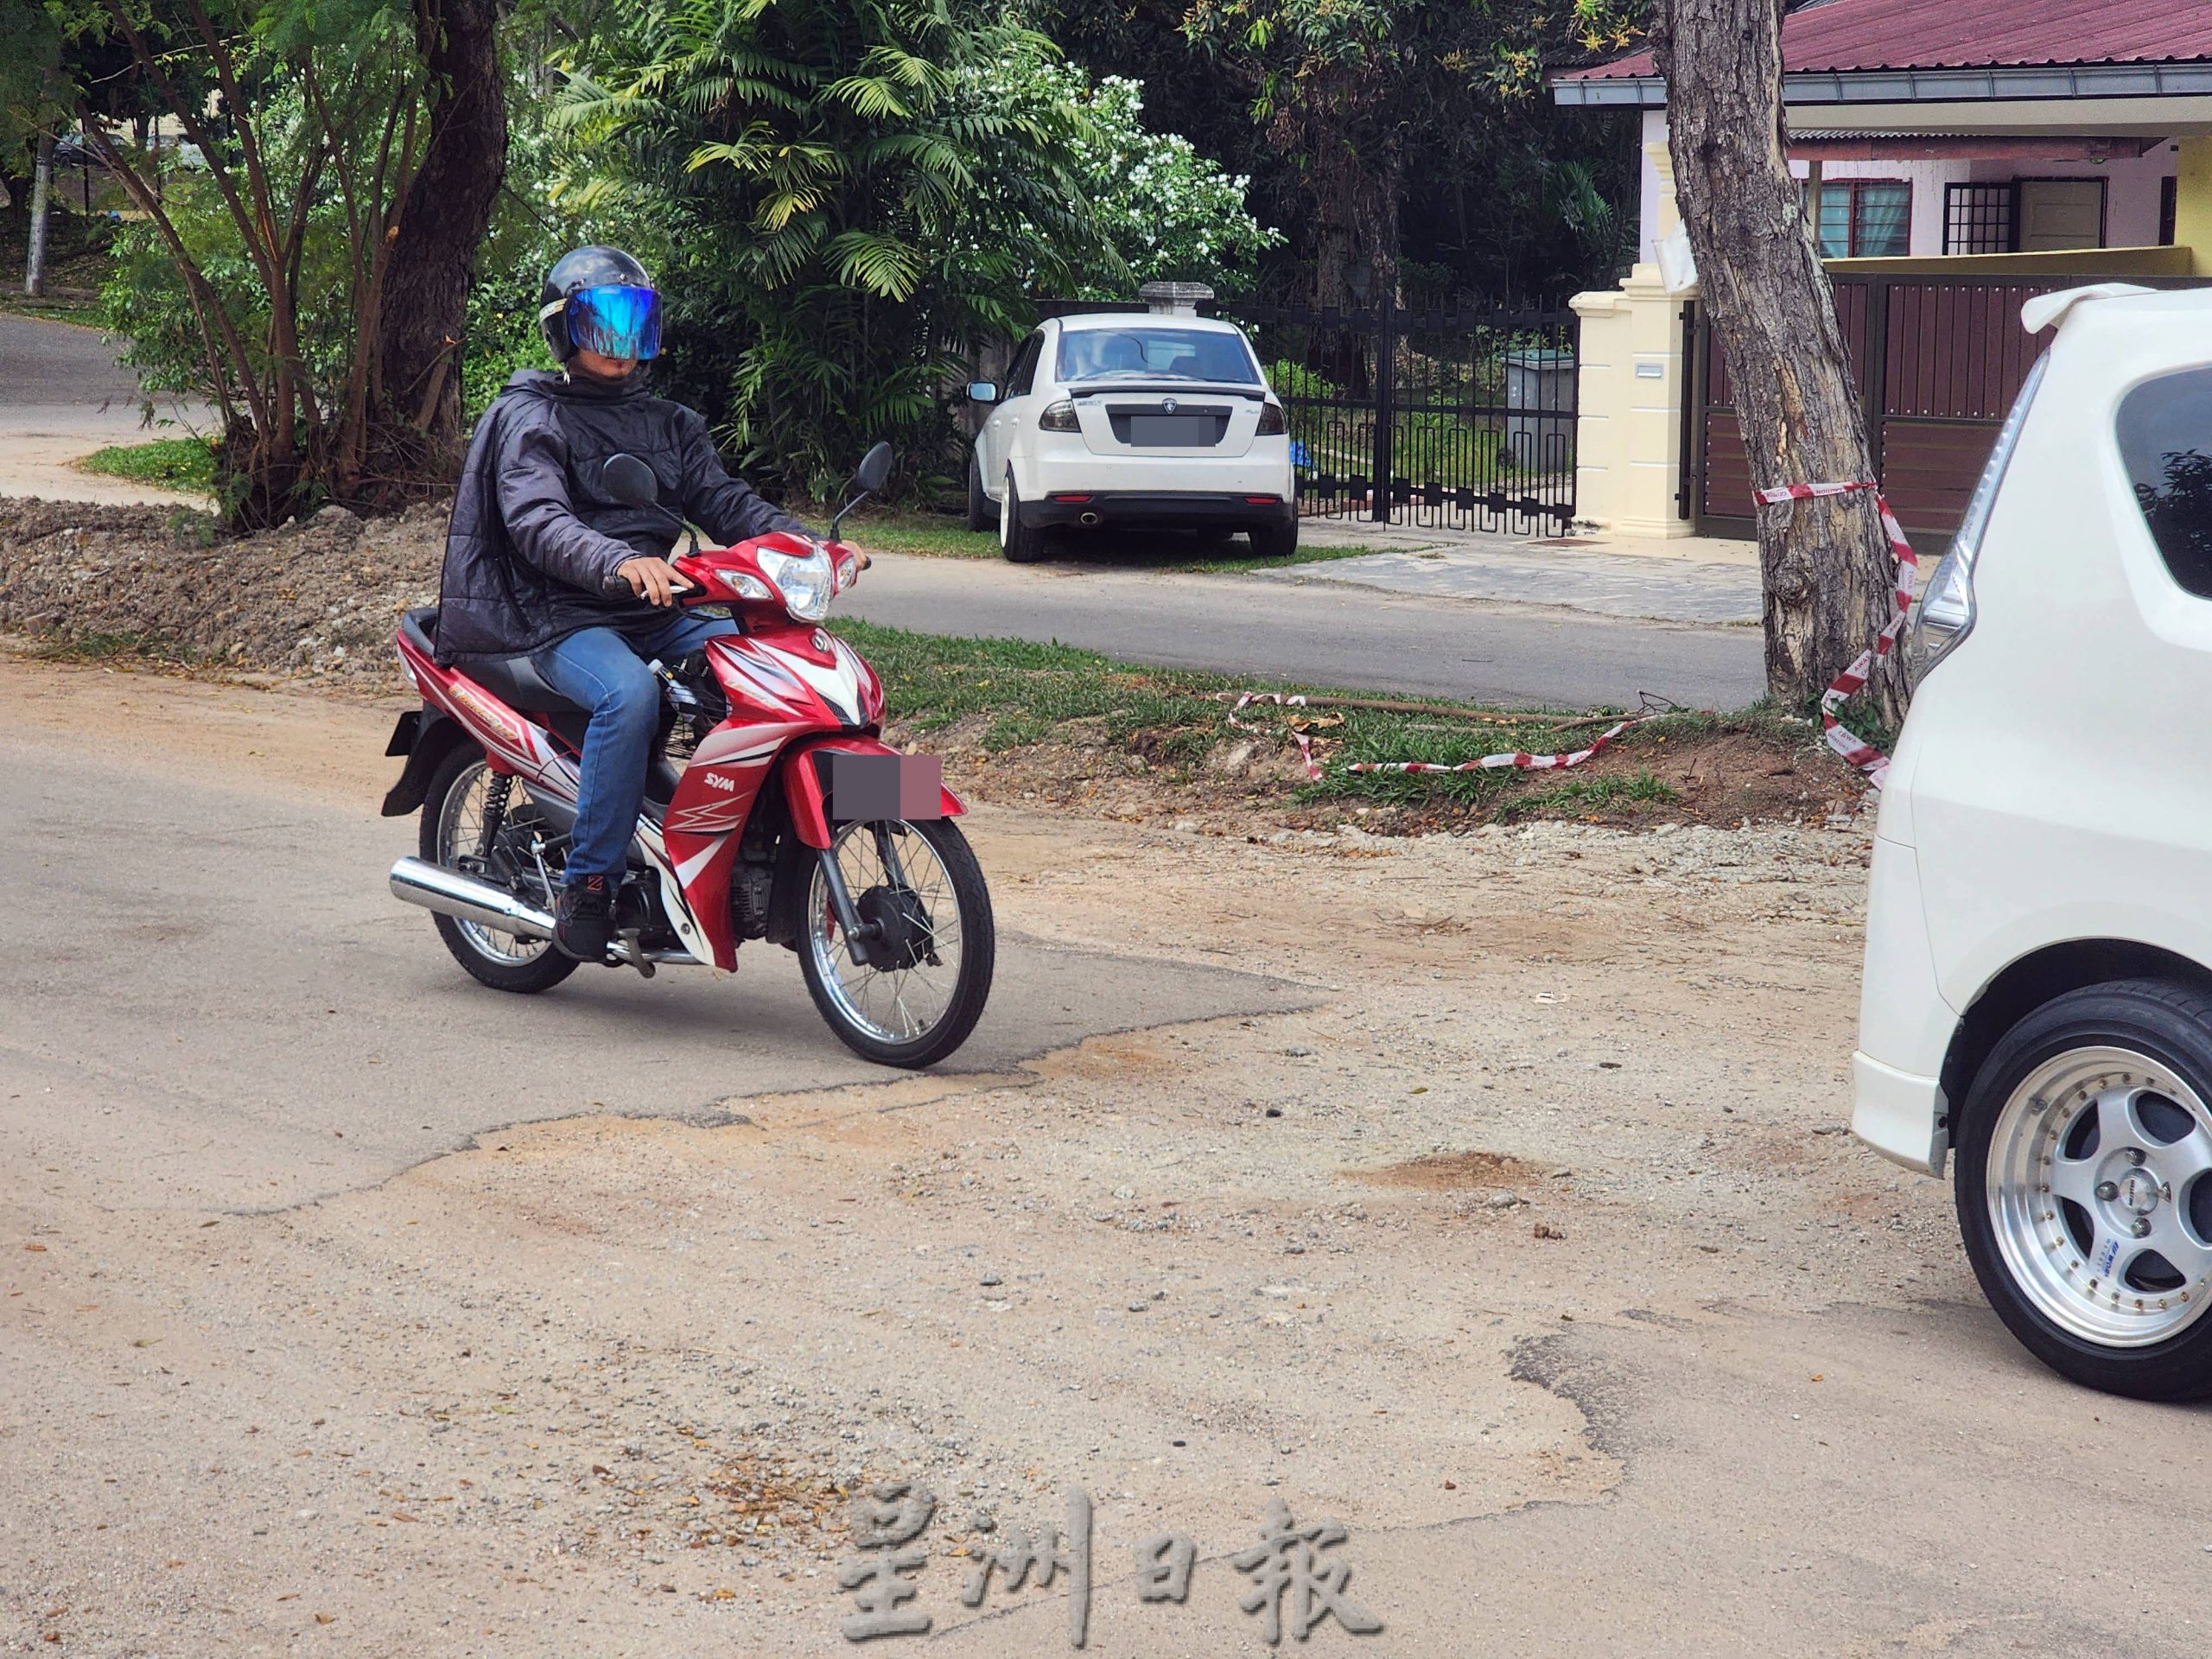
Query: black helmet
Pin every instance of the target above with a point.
(603, 292)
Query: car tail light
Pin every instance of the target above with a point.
(1271, 421)
(1945, 614)
(1059, 417)
(1065, 497)
(1263, 501)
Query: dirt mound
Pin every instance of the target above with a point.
(320, 597)
(1447, 1172)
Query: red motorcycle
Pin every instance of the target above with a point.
(773, 810)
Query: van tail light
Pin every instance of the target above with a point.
(1946, 612)
(1271, 421)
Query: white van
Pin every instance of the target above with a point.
(2038, 982)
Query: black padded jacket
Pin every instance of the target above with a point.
(531, 552)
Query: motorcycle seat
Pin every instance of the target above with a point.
(511, 679)
(515, 682)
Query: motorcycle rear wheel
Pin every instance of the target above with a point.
(930, 892)
(453, 820)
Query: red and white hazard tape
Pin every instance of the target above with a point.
(1524, 762)
(1304, 743)
(1521, 762)
(1847, 743)
(1841, 737)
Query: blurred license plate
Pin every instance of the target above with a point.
(1186, 430)
(868, 786)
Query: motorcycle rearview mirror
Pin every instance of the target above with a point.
(630, 482)
(874, 469)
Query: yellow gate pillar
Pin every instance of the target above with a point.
(1632, 382)
(2193, 202)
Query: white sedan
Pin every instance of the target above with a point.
(1126, 420)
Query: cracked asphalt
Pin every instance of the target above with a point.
(1482, 1194)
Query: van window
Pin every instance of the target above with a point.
(2165, 442)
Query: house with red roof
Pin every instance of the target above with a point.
(1955, 155)
(1971, 126)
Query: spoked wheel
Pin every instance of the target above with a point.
(467, 825)
(918, 890)
(2085, 1186)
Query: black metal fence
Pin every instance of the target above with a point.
(1466, 418)
(1463, 419)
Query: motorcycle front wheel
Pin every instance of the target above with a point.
(917, 886)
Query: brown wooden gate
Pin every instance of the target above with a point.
(1937, 362)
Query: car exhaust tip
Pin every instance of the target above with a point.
(1089, 520)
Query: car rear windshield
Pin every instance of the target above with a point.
(1143, 352)
(2166, 442)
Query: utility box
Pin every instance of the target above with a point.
(1540, 409)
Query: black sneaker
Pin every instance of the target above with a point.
(584, 919)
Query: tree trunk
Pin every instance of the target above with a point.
(1825, 565)
(433, 260)
(42, 191)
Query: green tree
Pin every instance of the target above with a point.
(319, 260)
(1355, 93)
(811, 169)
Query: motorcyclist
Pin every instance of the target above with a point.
(541, 560)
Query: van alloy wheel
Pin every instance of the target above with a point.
(2085, 1185)
(2098, 1195)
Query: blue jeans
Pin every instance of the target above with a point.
(604, 669)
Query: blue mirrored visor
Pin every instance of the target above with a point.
(615, 322)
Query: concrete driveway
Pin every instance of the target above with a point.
(61, 397)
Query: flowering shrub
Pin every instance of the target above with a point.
(1163, 210)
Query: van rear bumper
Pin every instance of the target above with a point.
(1904, 1117)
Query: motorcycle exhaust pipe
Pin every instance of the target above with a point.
(451, 893)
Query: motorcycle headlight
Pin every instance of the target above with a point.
(807, 581)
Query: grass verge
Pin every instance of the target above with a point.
(142, 650)
(185, 464)
(1049, 704)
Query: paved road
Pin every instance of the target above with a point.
(1320, 632)
(62, 396)
(263, 1392)
(228, 961)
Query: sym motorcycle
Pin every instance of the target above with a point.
(774, 808)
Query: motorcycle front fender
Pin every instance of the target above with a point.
(806, 785)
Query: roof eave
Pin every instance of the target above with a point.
(1920, 85)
